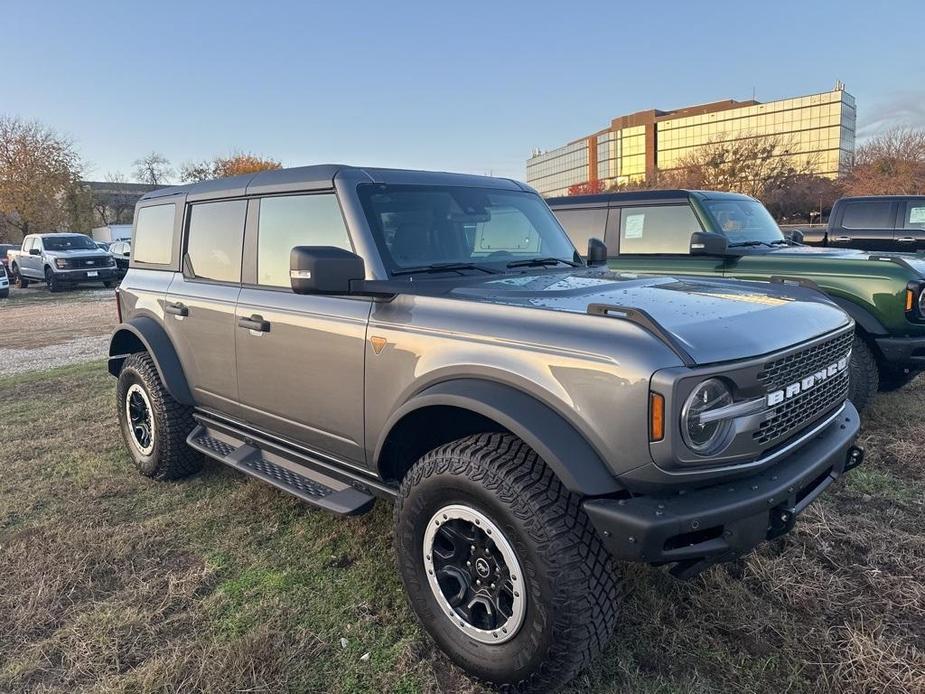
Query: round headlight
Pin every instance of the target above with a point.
(705, 435)
(922, 302)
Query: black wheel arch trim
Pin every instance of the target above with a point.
(155, 341)
(576, 463)
(862, 317)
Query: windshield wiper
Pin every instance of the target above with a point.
(741, 244)
(785, 242)
(541, 262)
(442, 267)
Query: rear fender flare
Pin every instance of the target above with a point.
(145, 334)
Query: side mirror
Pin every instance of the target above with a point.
(708, 243)
(127, 253)
(797, 236)
(35, 251)
(324, 270)
(597, 252)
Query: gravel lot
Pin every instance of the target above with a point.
(39, 330)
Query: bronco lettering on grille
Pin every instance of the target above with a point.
(791, 391)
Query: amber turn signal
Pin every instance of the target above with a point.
(910, 298)
(656, 417)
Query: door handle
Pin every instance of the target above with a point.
(177, 309)
(906, 239)
(255, 323)
(842, 238)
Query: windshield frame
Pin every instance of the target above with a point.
(483, 266)
(54, 239)
(768, 236)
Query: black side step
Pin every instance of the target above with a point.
(282, 471)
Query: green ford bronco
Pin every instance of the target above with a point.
(433, 340)
(687, 232)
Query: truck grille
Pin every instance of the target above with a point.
(86, 263)
(804, 409)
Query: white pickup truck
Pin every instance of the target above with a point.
(61, 260)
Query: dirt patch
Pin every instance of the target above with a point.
(39, 330)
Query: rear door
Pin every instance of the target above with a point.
(583, 224)
(200, 303)
(300, 357)
(910, 228)
(865, 224)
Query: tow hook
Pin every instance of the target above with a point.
(855, 458)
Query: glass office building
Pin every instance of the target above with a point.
(816, 130)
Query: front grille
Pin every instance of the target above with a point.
(85, 263)
(805, 408)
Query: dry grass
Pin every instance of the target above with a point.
(112, 583)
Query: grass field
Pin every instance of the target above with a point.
(112, 582)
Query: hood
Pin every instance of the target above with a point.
(79, 253)
(714, 320)
(916, 262)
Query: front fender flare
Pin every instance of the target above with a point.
(146, 333)
(574, 461)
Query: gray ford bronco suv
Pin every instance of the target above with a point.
(433, 339)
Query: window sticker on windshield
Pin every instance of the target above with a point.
(634, 226)
(917, 215)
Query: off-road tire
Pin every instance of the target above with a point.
(53, 283)
(572, 591)
(892, 378)
(863, 373)
(170, 457)
(5, 293)
(21, 281)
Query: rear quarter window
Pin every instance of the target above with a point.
(154, 230)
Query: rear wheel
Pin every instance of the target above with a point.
(21, 281)
(864, 375)
(502, 566)
(154, 425)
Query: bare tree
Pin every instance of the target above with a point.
(153, 169)
(891, 164)
(754, 166)
(39, 172)
(235, 164)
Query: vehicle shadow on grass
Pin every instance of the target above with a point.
(113, 582)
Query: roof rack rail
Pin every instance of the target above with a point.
(645, 321)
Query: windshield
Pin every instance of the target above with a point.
(744, 221)
(424, 226)
(69, 243)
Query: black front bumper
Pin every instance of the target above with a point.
(903, 351)
(698, 528)
(103, 274)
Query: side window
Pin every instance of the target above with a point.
(295, 220)
(655, 229)
(915, 215)
(867, 215)
(583, 224)
(214, 239)
(154, 234)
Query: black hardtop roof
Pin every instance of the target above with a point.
(321, 177)
(864, 198)
(644, 196)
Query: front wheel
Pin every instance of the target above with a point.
(863, 374)
(52, 282)
(501, 565)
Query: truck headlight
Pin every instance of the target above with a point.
(110, 261)
(60, 263)
(702, 433)
(922, 302)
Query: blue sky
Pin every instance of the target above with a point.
(468, 86)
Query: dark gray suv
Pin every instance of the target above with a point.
(434, 340)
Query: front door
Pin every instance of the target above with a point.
(300, 357)
(910, 229)
(655, 239)
(200, 303)
(866, 225)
